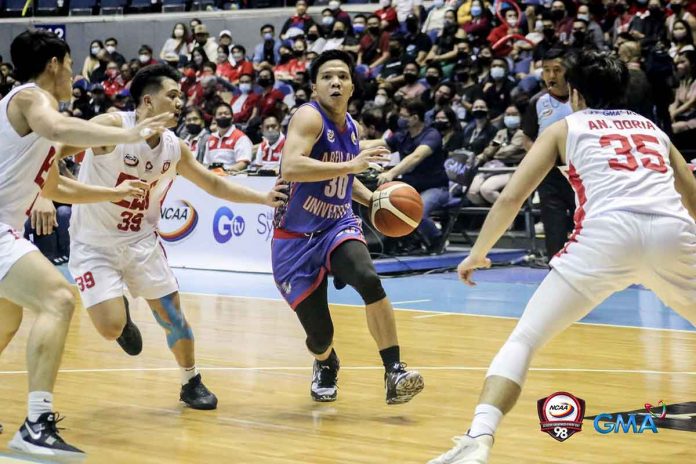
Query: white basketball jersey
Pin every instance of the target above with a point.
(619, 160)
(24, 166)
(132, 219)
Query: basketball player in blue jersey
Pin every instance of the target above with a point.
(316, 232)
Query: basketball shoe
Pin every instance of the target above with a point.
(402, 385)
(130, 339)
(324, 387)
(467, 450)
(42, 437)
(197, 395)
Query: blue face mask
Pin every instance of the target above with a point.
(476, 11)
(402, 123)
(358, 28)
(268, 36)
(511, 122)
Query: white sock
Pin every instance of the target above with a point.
(40, 402)
(486, 420)
(187, 373)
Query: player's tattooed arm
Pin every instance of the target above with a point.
(684, 180)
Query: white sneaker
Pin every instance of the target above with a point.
(467, 450)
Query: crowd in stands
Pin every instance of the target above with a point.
(468, 79)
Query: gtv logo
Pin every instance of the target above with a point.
(605, 423)
(226, 224)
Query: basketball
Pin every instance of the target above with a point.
(396, 209)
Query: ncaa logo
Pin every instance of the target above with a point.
(226, 225)
(330, 135)
(130, 160)
(561, 415)
(178, 220)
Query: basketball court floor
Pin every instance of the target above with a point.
(630, 351)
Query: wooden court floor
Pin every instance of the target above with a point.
(125, 410)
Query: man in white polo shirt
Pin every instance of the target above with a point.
(227, 145)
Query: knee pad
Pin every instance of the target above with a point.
(513, 359)
(369, 286)
(177, 327)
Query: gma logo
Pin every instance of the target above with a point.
(605, 423)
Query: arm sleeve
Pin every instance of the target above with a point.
(530, 124)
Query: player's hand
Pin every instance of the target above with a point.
(43, 216)
(370, 155)
(385, 177)
(276, 197)
(130, 188)
(148, 128)
(468, 265)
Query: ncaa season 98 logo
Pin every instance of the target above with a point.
(178, 220)
(561, 415)
(226, 225)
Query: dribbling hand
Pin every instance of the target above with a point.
(276, 196)
(371, 155)
(130, 188)
(468, 265)
(148, 128)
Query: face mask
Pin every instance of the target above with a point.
(245, 87)
(512, 22)
(679, 35)
(432, 80)
(94, 50)
(339, 34)
(476, 11)
(442, 126)
(497, 73)
(221, 58)
(300, 101)
(402, 123)
(549, 33)
(410, 78)
(538, 26)
(194, 129)
(271, 136)
(358, 28)
(238, 57)
(144, 58)
(198, 60)
(485, 60)
(511, 122)
(442, 101)
(439, 3)
(110, 48)
(327, 20)
(267, 36)
(223, 123)
(655, 11)
(373, 30)
(579, 36)
(676, 8)
(479, 114)
(264, 82)
(312, 37)
(380, 100)
(395, 51)
(333, 6)
(584, 17)
(557, 15)
(178, 33)
(285, 57)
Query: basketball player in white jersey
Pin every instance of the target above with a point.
(116, 245)
(634, 225)
(31, 129)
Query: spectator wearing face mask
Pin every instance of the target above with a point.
(292, 61)
(113, 83)
(477, 24)
(506, 149)
(446, 122)
(203, 40)
(444, 49)
(373, 49)
(412, 89)
(649, 25)
(563, 23)
(91, 61)
(442, 98)
(595, 35)
(624, 16)
(479, 132)
(177, 43)
(241, 64)
(194, 133)
(267, 50)
(98, 104)
(581, 39)
(680, 13)
(339, 37)
(80, 101)
(416, 42)
(315, 39)
(244, 103)
(506, 28)
(99, 73)
(272, 100)
(271, 148)
(464, 13)
(341, 15)
(433, 77)
(498, 87)
(300, 20)
(111, 46)
(145, 56)
(683, 110)
(223, 67)
(387, 15)
(682, 38)
(227, 145)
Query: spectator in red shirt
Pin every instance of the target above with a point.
(504, 29)
(301, 20)
(286, 71)
(374, 44)
(244, 104)
(387, 15)
(561, 20)
(271, 101)
(224, 67)
(113, 83)
(242, 65)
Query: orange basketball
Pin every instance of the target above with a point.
(396, 209)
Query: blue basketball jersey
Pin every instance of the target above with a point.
(317, 206)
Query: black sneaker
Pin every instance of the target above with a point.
(130, 340)
(402, 385)
(324, 387)
(42, 437)
(197, 395)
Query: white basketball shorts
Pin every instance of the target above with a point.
(12, 248)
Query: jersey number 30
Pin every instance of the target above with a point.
(626, 161)
(337, 187)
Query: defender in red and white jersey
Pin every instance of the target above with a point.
(116, 245)
(634, 224)
(31, 130)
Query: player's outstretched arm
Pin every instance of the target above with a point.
(361, 194)
(217, 186)
(684, 180)
(40, 114)
(297, 166)
(534, 167)
(63, 190)
(104, 119)
(374, 143)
